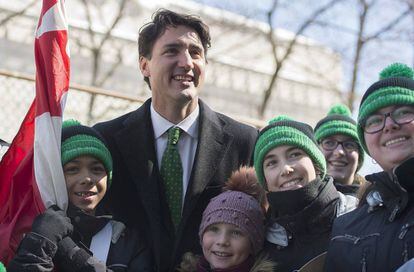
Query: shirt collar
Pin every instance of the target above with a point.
(161, 125)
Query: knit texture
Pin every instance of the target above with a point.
(285, 131)
(241, 209)
(79, 140)
(339, 121)
(395, 87)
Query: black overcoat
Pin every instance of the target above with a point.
(137, 196)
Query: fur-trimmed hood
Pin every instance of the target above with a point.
(261, 264)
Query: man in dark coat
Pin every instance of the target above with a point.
(172, 58)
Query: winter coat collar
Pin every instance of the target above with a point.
(276, 234)
(315, 218)
(86, 226)
(349, 189)
(387, 193)
(260, 264)
(204, 266)
(287, 203)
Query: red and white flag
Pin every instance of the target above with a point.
(31, 176)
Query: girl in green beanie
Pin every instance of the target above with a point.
(337, 136)
(379, 235)
(80, 240)
(302, 200)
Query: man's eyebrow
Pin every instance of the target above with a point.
(179, 45)
(173, 45)
(197, 46)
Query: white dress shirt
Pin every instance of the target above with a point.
(187, 145)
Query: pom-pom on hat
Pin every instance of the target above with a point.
(285, 131)
(239, 204)
(339, 121)
(79, 140)
(395, 87)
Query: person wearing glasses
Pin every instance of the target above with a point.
(379, 235)
(337, 136)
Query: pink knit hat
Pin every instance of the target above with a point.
(238, 205)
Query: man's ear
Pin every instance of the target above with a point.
(144, 66)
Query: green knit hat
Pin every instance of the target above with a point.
(395, 87)
(2, 268)
(79, 140)
(339, 121)
(285, 131)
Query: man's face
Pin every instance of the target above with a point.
(176, 68)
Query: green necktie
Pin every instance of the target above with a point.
(172, 175)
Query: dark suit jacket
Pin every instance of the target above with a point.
(137, 196)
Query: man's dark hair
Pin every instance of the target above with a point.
(163, 18)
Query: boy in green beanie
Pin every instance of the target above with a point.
(302, 200)
(337, 136)
(80, 240)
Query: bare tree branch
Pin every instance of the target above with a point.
(358, 50)
(390, 25)
(362, 40)
(337, 27)
(289, 48)
(90, 24)
(15, 14)
(271, 36)
(113, 68)
(114, 23)
(96, 51)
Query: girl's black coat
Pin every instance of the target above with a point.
(379, 236)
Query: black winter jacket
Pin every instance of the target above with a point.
(127, 251)
(379, 236)
(294, 239)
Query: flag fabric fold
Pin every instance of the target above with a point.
(31, 176)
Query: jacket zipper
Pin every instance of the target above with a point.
(405, 253)
(364, 262)
(354, 239)
(394, 213)
(404, 230)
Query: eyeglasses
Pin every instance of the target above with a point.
(376, 122)
(330, 145)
